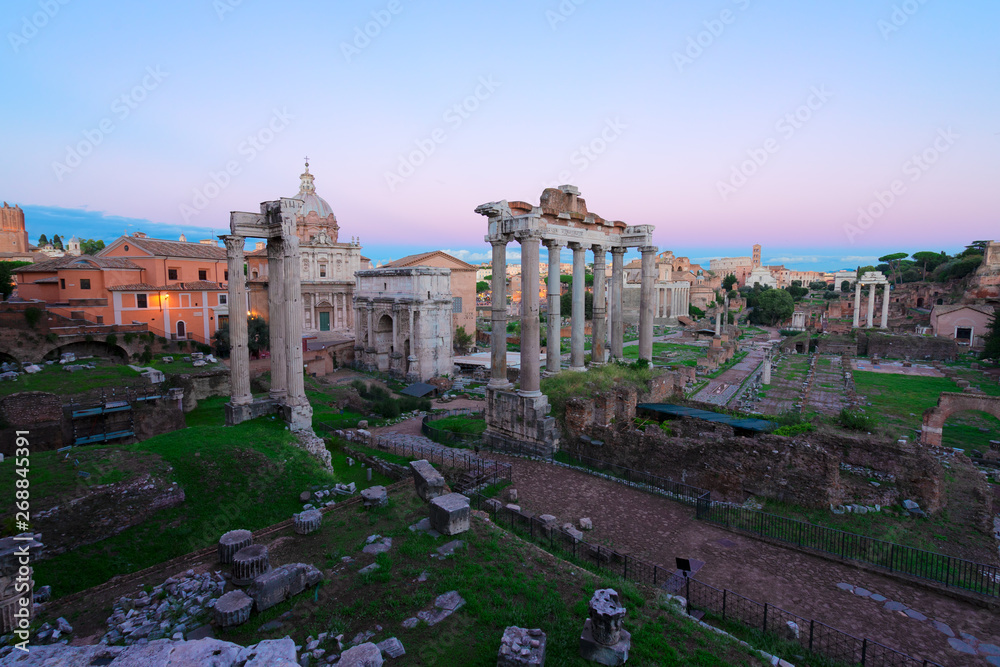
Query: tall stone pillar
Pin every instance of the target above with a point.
(871, 306)
(857, 304)
(498, 317)
(298, 412)
(553, 354)
(885, 306)
(646, 302)
(617, 283)
(530, 346)
(277, 315)
(766, 372)
(239, 352)
(600, 310)
(579, 314)
(411, 361)
(718, 322)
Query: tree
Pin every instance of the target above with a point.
(728, 282)
(566, 305)
(57, 242)
(488, 278)
(817, 285)
(482, 286)
(893, 262)
(258, 336)
(845, 286)
(7, 277)
(463, 340)
(42, 240)
(773, 306)
(221, 341)
(974, 248)
(831, 287)
(797, 292)
(928, 260)
(91, 246)
(991, 349)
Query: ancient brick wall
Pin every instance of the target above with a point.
(907, 347)
(37, 412)
(198, 386)
(163, 417)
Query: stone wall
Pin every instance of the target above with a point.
(153, 419)
(198, 386)
(37, 412)
(914, 347)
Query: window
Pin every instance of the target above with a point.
(62, 283)
(223, 299)
(202, 274)
(84, 283)
(963, 334)
(171, 274)
(140, 301)
(456, 304)
(125, 247)
(322, 270)
(225, 275)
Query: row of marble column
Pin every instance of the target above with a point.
(284, 297)
(871, 305)
(530, 375)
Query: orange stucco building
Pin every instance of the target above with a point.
(463, 284)
(178, 289)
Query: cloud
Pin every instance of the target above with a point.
(859, 259)
(474, 257)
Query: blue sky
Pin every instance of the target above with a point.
(831, 133)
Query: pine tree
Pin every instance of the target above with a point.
(991, 349)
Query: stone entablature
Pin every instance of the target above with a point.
(403, 321)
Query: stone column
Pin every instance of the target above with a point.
(277, 315)
(766, 373)
(871, 306)
(293, 316)
(857, 304)
(617, 280)
(579, 313)
(239, 353)
(552, 350)
(530, 346)
(410, 360)
(718, 322)
(885, 306)
(600, 312)
(646, 302)
(498, 317)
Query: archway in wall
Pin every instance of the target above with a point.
(972, 430)
(7, 358)
(383, 341)
(953, 403)
(92, 349)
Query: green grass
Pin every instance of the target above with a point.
(964, 431)
(179, 366)
(56, 380)
(570, 384)
(682, 354)
(461, 424)
(247, 476)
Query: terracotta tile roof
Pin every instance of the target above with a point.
(420, 258)
(167, 248)
(83, 262)
(196, 286)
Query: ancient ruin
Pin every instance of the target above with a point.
(520, 418)
(873, 279)
(276, 222)
(603, 640)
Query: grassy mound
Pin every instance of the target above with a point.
(573, 384)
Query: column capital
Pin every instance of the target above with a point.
(576, 246)
(617, 250)
(648, 249)
(500, 242)
(528, 235)
(599, 248)
(234, 243)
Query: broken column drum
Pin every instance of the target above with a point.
(249, 563)
(606, 614)
(307, 522)
(233, 608)
(232, 542)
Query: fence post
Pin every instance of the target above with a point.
(687, 595)
(765, 618)
(655, 568)
(864, 651)
(723, 604)
(812, 623)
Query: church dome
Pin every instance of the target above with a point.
(312, 202)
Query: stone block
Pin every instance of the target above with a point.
(268, 653)
(571, 533)
(520, 646)
(362, 655)
(375, 496)
(512, 495)
(493, 505)
(249, 563)
(232, 542)
(450, 514)
(307, 522)
(602, 654)
(428, 481)
(233, 608)
(391, 648)
(586, 524)
(282, 583)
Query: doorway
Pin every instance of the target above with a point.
(324, 320)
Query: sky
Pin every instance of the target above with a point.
(830, 133)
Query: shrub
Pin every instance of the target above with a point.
(128, 337)
(111, 339)
(51, 337)
(32, 315)
(147, 355)
(855, 420)
(796, 429)
(89, 338)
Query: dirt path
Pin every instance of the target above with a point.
(659, 530)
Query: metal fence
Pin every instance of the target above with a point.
(952, 572)
(725, 605)
(449, 437)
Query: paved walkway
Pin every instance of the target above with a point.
(720, 390)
